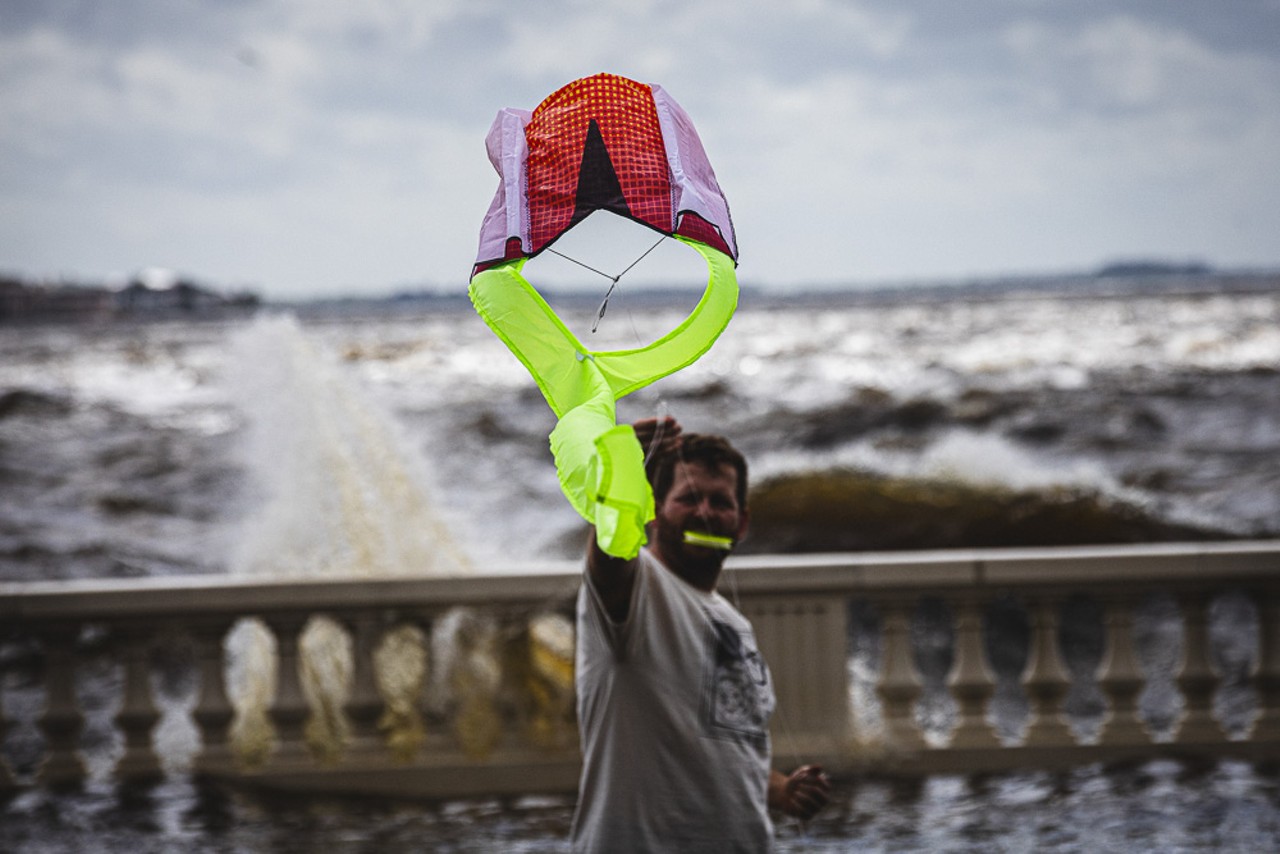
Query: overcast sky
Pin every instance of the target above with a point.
(318, 147)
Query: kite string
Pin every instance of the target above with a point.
(551, 602)
(662, 411)
(784, 725)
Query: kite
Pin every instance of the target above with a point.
(600, 143)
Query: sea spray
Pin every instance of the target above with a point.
(339, 492)
(341, 488)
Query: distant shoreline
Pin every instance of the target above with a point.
(1153, 283)
(24, 302)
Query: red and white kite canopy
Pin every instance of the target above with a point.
(600, 143)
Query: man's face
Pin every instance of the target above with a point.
(702, 500)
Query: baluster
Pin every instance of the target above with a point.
(972, 684)
(138, 714)
(289, 710)
(1267, 678)
(62, 720)
(325, 656)
(1122, 680)
(865, 629)
(400, 669)
(1046, 682)
(476, 679)
(7, 782)
(1196, 680)
(213, 712)
(900, 685)
(364, 705)
(548, 657)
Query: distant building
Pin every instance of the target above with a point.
(142, 298)
(181, 297)
(67, 303)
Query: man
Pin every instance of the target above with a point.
(674, 699)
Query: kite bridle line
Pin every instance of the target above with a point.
(784, 725)
(613, 280)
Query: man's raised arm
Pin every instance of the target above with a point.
(612, 577)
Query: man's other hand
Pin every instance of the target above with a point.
(801, 794)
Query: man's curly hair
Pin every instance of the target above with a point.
(711, 451)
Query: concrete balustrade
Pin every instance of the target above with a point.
(502, 723)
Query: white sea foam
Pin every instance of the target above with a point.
(166, 386)
(962, 456)
(984, 459)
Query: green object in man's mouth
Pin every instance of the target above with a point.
(710, 541)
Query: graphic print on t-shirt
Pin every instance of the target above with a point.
(738, 702)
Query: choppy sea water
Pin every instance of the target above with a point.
(198, 447)
(153, 449)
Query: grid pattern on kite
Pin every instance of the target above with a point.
(694, 226)
(628, 121)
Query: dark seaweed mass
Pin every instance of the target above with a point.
(854, 511)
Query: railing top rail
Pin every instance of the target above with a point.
(1074, 566)
(551, 583)
(237, 596)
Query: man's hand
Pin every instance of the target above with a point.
(613, 577)
(657, 435)
(801, 794)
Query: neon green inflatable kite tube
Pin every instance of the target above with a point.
(599, 463)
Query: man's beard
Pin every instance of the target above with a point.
(699, 565)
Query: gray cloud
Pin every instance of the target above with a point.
(314, 147)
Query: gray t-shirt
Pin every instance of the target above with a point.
(673, 707)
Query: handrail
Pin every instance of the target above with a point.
(516, 581)
(507, 725)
